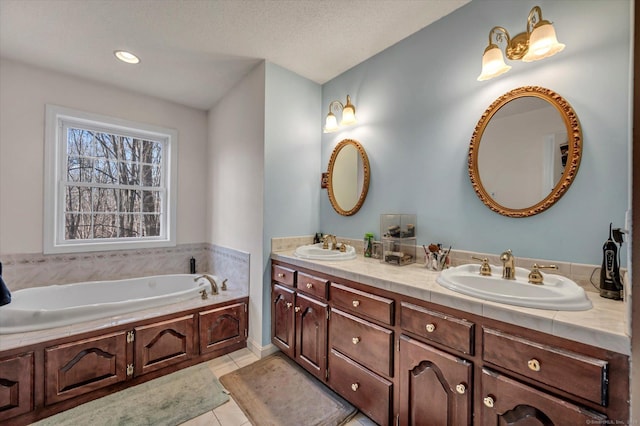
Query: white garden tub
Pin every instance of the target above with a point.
(39, 308)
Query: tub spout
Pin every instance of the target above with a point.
(214, 286)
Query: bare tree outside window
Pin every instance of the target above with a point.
(113, 187)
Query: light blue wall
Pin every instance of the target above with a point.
(292, 165)
(418, 103)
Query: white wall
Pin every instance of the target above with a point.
(24, 92)
(235, 173)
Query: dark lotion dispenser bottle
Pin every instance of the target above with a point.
(610, 283)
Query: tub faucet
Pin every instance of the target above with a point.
(214, 286)
(508, 265)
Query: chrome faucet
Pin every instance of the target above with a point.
(508, 265)
(214, 286)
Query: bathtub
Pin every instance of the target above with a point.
(52, 306)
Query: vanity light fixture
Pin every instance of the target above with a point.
(538, 42)
(348, 115)
(127, 57)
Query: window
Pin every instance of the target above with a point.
(109, 183)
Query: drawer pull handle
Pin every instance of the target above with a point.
(354, 386)
(489, 401)
(533, 364)
(309, 285)
(461, 388)
(431, 328)
(355, 340)
(280, 275)
(297, 309)
(289, 305)
(356, 303)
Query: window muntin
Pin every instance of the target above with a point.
(114, 184)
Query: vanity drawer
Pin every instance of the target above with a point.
(571, 372)
(361, 303)
(283, 275)
(435, 326)
(364, 389)
(364, 342)
(312, 286)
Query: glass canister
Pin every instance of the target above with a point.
(368, 244)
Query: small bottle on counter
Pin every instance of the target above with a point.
(192, 265)
(368, 244)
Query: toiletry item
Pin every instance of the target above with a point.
(5, 294)
(317, 238)
(368, 244)
(192, 266)
(610, 282)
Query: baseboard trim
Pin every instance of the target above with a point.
(261, 351)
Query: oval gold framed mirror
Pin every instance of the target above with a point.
(348, 177)
(525, 151)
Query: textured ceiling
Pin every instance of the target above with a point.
(194, 51)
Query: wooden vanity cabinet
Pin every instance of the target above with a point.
(436, 388)
(299, 318)
(16, 385)
(427, 364)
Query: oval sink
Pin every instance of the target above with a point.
(316, 252)
(557, 293)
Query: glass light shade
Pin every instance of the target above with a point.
(542, 42)
(493, 63)
(127, 57)
(348, 116)
(331, 123)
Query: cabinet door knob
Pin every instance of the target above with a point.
(356, 303)
(297, 309)
(461, 388)
(289, 305)
(280, 275)
(533, 364)
(489, 401)
(355, 340)
(354, 386)
(309, 285)
(431, 328)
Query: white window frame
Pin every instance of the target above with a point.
(55, 166)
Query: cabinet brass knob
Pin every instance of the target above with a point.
(355, 340)
(533, 364)
(461, 388)
(488, 401)
(309, 285)
(289, 305)
(297, 309)
(356, 303)
(280, 275)
(354, 386)
(431, 328)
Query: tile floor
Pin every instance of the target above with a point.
(229, 414)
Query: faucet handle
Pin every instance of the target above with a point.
(224, 284)
(535, 276)
(485, 268)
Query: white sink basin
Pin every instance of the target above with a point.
(316, 252)
(557, 293)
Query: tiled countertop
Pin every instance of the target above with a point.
(11, 341)
(603, 326)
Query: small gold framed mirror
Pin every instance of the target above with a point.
(525, 151)
(348, 177)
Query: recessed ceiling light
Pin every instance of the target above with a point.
(127, 57)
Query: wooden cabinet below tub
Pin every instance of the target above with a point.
(48, 377)
(16, 385)
(83, 366)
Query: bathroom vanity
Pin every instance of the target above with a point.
(406, 351)
(45, 372)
